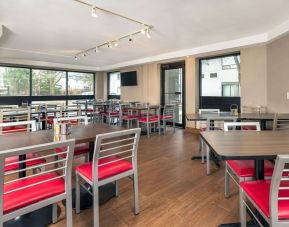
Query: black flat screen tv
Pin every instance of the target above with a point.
(128, 78)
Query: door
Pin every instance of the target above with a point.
(173, 89)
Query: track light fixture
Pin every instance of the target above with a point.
(144, 30)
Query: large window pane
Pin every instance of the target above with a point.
(221, 76)
(14, 81)
(48, 82)
(80, 83)
(114, 83)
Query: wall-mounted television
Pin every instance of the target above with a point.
(128, 78)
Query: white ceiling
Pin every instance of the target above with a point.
(55, 30)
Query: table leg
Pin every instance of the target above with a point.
(91, 150)
(263, 124)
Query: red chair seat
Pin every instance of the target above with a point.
(105, 171)
(79, 149)
(50, 120)
(89, 110)
(150, 119)
(259, 192)
(28, 163)
(129, 117)
(27, 196)
(165, 117)
(111, 114)
(249, 127)
(246, 168)
(14, 129)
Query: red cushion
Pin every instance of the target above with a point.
(150, 119)
(24, 197)
(128, 117)
(14, 129)
(79, 149)
(111, 113)
(105, 171)
(89, 110)
(166, 117)
(28, 163)
(259, 192)
(246, 168)
(249, 127)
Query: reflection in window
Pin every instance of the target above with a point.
(220, 76)
(14, 81)
(48, 82)
(114, 83)
(80, 83)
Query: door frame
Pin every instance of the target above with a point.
(175, 65)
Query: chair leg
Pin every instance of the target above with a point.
(116, 188)
(227, 182)
(242, 209)
(208, 160)
(135, 186)
(127, 123)
(174, 125)
(77, 194)
(69, 209)
(202, 145)
(95, 207)
(148, 130)
(54, 213)
(86, 157)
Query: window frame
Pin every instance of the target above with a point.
(216, 102)
(109, 96)
(17, 100)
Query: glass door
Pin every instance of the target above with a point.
(172, 89)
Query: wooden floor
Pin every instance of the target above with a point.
(174, 190)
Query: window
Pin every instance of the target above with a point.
(230, 89)
(114, 85)
(219, 82)
(219, 71)
(48, 82)
(80, 83)
(14, 81)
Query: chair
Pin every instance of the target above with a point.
(82, 149)
(14, 115)
(148, 119)
(115, 157)
(269, 197)
(30, 193)
(33, 159)
(127, 115)
(169, 114)
(243, 170)
(281, 122)
(112, 113)
(204, 128)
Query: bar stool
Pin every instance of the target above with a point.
(115, 157)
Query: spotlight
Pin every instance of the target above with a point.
(93, 12)
(143, 31)
(96, 50)
(84, 55)
(109, 45)
(148, 34)
(130, 38)
(116, 43)
(75, 58)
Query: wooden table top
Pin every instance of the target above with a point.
(244, 116)
(143, 107)
(247, 145)
(81, 134)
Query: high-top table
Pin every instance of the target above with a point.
(245, 145)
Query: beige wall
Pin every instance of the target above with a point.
(278, 75)
(254, 76)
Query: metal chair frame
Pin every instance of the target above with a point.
(229, 172)
(128, 148)
(169, 110)
(275, 187)
(66, 175)
(149, 123)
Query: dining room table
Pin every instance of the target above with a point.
(81, 134)
(248, 145)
